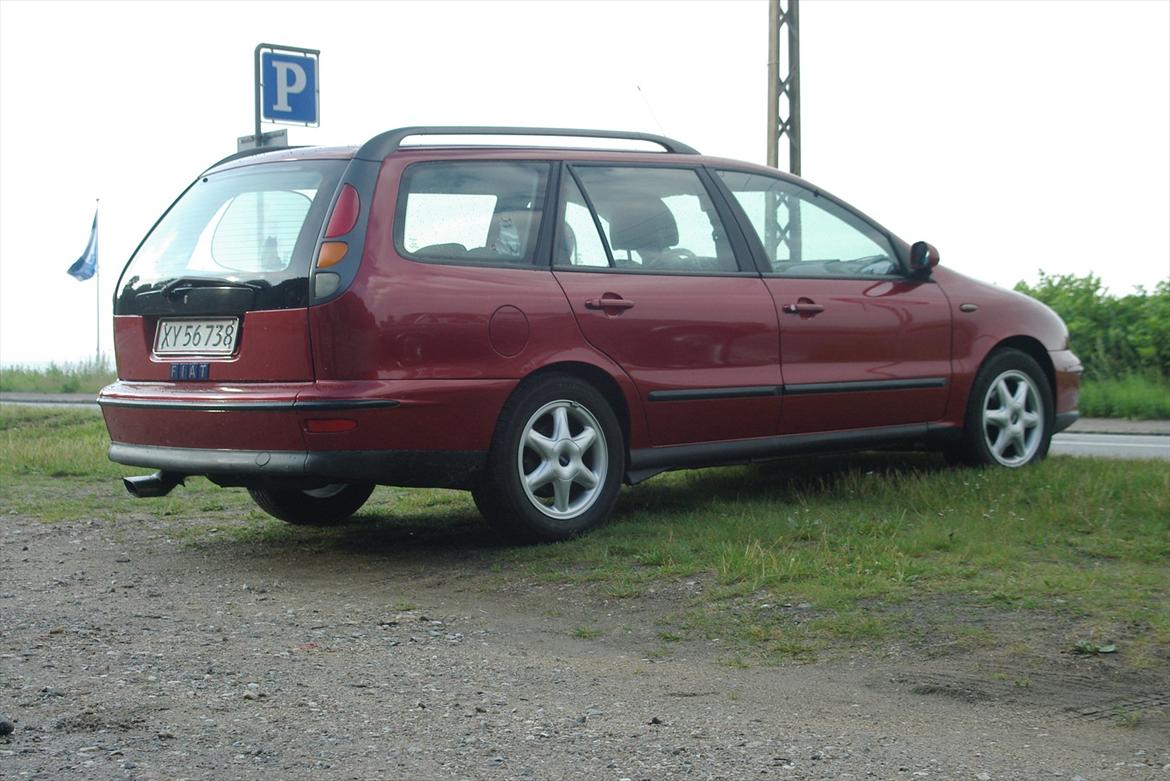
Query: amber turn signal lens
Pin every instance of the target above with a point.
(331, 253)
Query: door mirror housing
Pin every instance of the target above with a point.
(923, 258)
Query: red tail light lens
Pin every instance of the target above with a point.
(345, 212)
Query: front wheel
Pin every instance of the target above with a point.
(555, 464)
(325, 505)
(1010, 413)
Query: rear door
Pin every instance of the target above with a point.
(862, 344)
(660, 285)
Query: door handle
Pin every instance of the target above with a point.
(608, 302)
(804, 307)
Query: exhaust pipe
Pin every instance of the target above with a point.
(147, 486)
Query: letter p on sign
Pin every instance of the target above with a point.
(290, 88)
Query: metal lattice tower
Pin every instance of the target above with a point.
(786, 84)
(782, 212)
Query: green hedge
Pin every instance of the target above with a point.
(1114, 336)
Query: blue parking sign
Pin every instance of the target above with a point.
(290, 89)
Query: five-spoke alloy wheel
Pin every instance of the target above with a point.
(556, 461)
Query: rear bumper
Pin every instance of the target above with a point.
(410, 433)
(414, 468)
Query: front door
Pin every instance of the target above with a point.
(656, 284)
(862, 344)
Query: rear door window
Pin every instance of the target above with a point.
(481, 212)
(657, 219)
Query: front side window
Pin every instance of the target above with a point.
(471, 212)
(657, 219)
(809, 235)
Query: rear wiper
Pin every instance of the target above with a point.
(185, 284)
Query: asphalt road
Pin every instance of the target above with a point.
(1111, 445)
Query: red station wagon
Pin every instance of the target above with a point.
(539, 325)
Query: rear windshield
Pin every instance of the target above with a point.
(255, 225)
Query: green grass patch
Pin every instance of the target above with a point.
(782, 561)
(83, 377)
(1133, 396)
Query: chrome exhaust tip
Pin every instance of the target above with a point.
(148, 486)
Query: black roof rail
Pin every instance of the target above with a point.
(384, 144)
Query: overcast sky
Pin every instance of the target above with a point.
(1015, 136)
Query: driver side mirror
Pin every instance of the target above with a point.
(923, 257)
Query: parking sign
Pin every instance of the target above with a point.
(289, 86)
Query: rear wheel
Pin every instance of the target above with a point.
(325, 505)
(1009, 413)
(556, 461)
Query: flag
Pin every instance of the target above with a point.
(85, 266)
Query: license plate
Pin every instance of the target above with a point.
(212, 336)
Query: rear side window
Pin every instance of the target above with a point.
(471, 212)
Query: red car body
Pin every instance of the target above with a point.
(400, 376)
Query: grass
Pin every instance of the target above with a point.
(780, 561)
(84, 377)
(1133, 396)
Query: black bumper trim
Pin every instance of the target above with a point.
(408, 468)
(1065, 419)
(314, 405)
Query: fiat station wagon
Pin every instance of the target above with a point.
(539, 325)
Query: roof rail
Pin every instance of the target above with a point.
(380, 146)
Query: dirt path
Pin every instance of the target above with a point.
(126, 654)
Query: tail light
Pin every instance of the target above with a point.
(345, 212)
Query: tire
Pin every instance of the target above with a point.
(556, 462)
(327, 505)
(1010, 413)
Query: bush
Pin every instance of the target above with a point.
(1114, 336)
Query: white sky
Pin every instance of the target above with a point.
(1015, 136)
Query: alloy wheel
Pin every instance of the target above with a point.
(1013, 418)
(563, 459)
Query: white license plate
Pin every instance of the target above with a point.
(211, 336)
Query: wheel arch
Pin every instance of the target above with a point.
(600, 379)
(1031, 347)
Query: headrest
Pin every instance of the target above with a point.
(643, 224)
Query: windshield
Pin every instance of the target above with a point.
(256, 225)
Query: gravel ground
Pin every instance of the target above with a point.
(129, 653)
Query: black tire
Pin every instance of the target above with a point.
(565, 505)
(325, 506)
(1009, 434)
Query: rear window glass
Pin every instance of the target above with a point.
(471, 212)
(254, 223)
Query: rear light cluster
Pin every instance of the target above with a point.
(344, 218)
